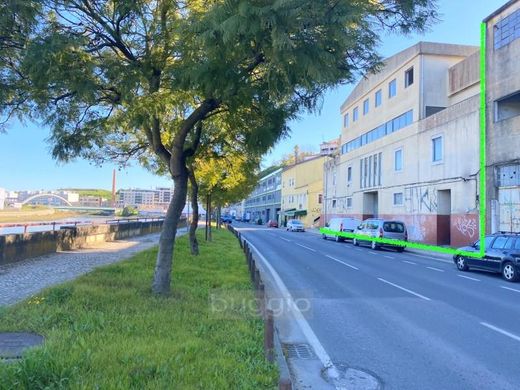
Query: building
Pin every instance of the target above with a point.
(503, 118)
(145, 199)
(3, 197)
(302, 191)
(265, 201)
(329, 147)
(409, 145)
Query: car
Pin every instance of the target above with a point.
(226, 219)
(294, 225)
(381, 228)
(272, 223)
(238, 218)
(341, 225)
(502, 255)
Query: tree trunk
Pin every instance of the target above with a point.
(163, 266)
(207, 219)
(209, 213)
(194, 244)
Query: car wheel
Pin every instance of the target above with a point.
(355, 242)
(338, 238)
(374, 245)
(509, 272)
(324, 236)
(400, 249)
(461, 264)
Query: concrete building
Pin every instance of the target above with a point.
(160, 197)
(503, 118)
(409, 145)
(3, 196)
(329, 147)
(302, 191)
(265, 201)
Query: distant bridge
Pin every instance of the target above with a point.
(31, 198)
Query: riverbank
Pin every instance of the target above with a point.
(37, 215)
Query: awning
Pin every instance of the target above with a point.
(295, 213)
(289, 212)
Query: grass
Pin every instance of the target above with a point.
(8, 216)
(107, 331)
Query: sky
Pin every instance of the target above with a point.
(26, 162)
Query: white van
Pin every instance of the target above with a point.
(341, 225)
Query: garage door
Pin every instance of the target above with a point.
(509, 209)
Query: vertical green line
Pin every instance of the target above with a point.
(482, 191)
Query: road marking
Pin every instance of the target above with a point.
(300, 319)
(509, 288)
(306, 247)
(389, 257)
(504, 332)
(435, 269)
(409, 262)
(285, 239)
(339, 261)
(405, 289)
(467, 277)
(374, 253)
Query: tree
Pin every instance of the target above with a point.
(117, 79)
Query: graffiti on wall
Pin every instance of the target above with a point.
(420, 199)
(466, 226)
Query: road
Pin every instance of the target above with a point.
(413, 321)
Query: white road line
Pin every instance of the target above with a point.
(404, 289)
(306, 247)
(285, 239)
(374, 253)
(435, 269)
(300, 319)
(509, 288)
(339, 261)
(502, 331)
(409, 262)
(467, 277)
(389, 257)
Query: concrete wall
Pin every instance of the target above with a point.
(16, 247)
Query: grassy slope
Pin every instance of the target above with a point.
(106, 330)
(26, 216)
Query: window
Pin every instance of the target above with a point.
(334, 177)
(349, 174)
(398, 199)
(507, 30)
(437, 149)
(333, 203)
(392, 88)
(366, 106)
(320, 198)
(349, 202)
(379, 98)
(408, 77)
(355, 114)
(345, 120)
(370, 171)
(507, 107)
(398, 160)
(499, 243)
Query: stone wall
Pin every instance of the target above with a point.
(16, 247)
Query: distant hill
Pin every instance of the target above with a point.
(90, 192)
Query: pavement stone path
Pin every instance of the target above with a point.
(23, 279)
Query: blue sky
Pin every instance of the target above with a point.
(26, 163)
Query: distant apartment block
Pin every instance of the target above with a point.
(3, 196)
(265, 200)
(330, 147)
(160, 197)
(409, 145)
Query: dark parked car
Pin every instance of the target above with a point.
(226, 219)
(272, 223)
(502, 255)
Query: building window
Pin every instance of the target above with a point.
(355, 114)
(320, 198)
(408, 77)
(345, 120)
(398, 160)
(349, 202)
(349, 174)
(392, 88)
(507, 30)
(366, 106)
(370, 171)
(437, 149)
(507, 107)
(334, 177)
(333, 203)
(379, 98)
(398, 199)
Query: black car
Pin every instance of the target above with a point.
(502, 256)
(226, 219)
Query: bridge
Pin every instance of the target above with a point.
(49, 195)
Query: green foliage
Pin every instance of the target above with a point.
(106, 330)
(128, 211)
(100, 193)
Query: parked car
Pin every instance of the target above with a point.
(381, 228)
(272, 223)
(502, 255)
(238, 218)
(259, 221)
(293, 225)
(226, 219)
(341, 225)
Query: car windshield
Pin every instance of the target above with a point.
(296, 223)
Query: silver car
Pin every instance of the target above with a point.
(347, 225)
(381, 228)
(293, 225)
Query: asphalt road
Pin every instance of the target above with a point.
(413, 321)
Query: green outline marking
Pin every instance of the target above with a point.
(482, 179)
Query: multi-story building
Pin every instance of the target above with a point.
(329, 147)
(503, 118)
(409, 145)
(265, 201)
(3, 196)
(302, 191)
(160, 197)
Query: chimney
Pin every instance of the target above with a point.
(296, 151)
(114, 188)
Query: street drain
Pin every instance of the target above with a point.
(299, 351)
(13, 345)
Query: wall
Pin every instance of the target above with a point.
(16, 247)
